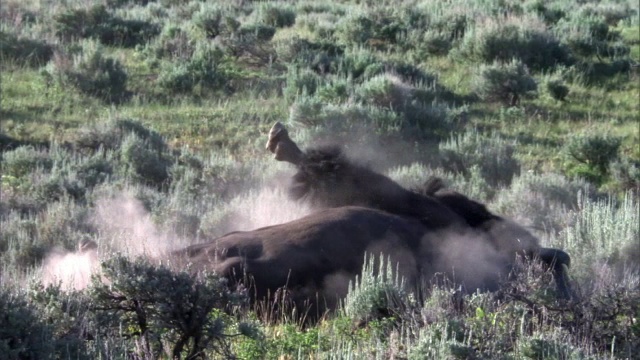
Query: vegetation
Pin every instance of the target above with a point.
(139, 126)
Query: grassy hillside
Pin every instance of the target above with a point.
(140, 125)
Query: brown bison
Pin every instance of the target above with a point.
(326, 178)
(423, 233)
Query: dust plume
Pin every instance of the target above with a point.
(72, 270)
(268, 205)
(470, 259)
(123, 226)
(127, 227)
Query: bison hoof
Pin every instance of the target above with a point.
(281, 145)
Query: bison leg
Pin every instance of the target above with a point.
(282, 146)
(558, 261)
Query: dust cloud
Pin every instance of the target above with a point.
(469, 259)
(259, 208)
(72, 270)
(125, 226)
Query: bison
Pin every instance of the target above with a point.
(422, 233)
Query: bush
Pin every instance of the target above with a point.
(94, 170)
(321, 56)
(536, 49)
(23, 161)
(202, 73)
(507, 83)
(98, 75)
(384, 91)
(336, 91)
(557, 89)
(359, 62)
(23, 334)
(144, 163)
(24, 51)
(542, 201)
(590, 156)
(68, 313)
(215, 20)
(418, 106)
(159, 306)
(436, 43)
(493, 156)
(377, 29)
(340, 118)
(377, 294)
(108, 136)
(276, 15)
(97, 23)
(551, 14)
(626, 174)
(250, 43)
(301, 81)
(174, 44)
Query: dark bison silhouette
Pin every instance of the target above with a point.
(425, 234)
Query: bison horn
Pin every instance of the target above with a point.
(282, 146)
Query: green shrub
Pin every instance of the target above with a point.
(550, 13)
(215, 20)
(119, 3)
(435, 43)
(321, 56)
(97, 75)
(384, 91)
(301, 81)
(152, 137)
(584, 36)
(144, 163)
(24, 160)
(127, 33)
(94, 170)
(256, 32)
(542, 201)
(590, 156)
(24, 51)
(359, 62)
(335, 91)
(250, 43)
(378, 29)
(507, 83)
(23, 334)
(542, 349)
(276, 15)
(159, 306)
(536, 49)
(340, 118)
(202, 73)
(557, 89)
(378, 293)
(80, 23)
(174, 44)
(69, 314)
(625, 173)
(493, 156)
(601, 229)
(97, 23)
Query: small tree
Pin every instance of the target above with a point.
(507, 83)
(23, 335)
(160, 307)
(590, 156)
(95, 74)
